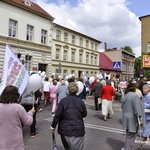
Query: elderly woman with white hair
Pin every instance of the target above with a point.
(146, 102)
(62, 90)
(69, 115)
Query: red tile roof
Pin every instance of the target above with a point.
(34, 8)
(105, 62)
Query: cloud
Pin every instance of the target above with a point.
(106, 20)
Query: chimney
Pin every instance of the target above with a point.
(115, 49)
(105, 47)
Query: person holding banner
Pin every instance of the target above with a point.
(12, 118)
(28, 102)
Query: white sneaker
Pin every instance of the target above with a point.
(122, 148)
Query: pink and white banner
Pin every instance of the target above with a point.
(14, 73)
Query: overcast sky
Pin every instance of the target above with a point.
(115, 22)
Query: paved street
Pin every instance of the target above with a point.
(100, 135)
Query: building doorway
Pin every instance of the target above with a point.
(42, 67)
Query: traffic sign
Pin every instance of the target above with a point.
(117, 65)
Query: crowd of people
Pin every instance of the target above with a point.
(68, 109)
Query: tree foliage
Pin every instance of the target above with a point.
(137, 67)
(128, 49)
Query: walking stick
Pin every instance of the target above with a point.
(54, 141)
(140, 134)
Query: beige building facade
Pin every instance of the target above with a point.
(42, 45)
(126, 60)
(26, 27)
(145, 41)
(74, 53)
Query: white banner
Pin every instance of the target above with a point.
(14, 73)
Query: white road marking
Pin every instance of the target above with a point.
(104, 128)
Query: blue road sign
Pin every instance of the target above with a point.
(117, 65)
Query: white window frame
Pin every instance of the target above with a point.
(148, 47)
(12, 28)
(87, 58)
(81, 41)
(43, 36)
(65, 54)
(87, 44)
(57, 53)
(29, 36)
(58, 34)
(73, 56)
(73, 39)
(91, 60)
(95, 60)
(92, 45)
(80, 57)
(65, 37)
(95, 46)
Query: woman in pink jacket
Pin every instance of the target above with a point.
(12, 119)
(53, 96)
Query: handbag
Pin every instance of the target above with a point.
(54, 141)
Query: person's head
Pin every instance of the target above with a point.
(46, 78)
(62, 81)
(146, 88)
(108, 82)
(72, 87)
(98, 80)
(131, 87)
(10, 95)
(144, 79)
(54, 82)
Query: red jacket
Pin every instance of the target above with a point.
(92, 84)
(107, 92)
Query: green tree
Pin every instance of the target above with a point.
(129, 49)
(137, 67)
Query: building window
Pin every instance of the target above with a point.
(65, 55)
(29, 33)
(58, 34)
(87, 73)
(92, 46)
(72, 56)
(12, 28)
(148, 47)
(87, 44)
(95, 46)
(66, 37)
(73, 39)
(43, 36)
(81, 42)
(95, 60)
(57, 53)
(80, 57)
(72, 71)
(91, 60)
(27, 62)
(87, 58)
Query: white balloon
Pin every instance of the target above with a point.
(80, 87)
(91, 79)
(70, 76)
(39, 72)
(66, 78)
(43, 74)
(35, 82)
